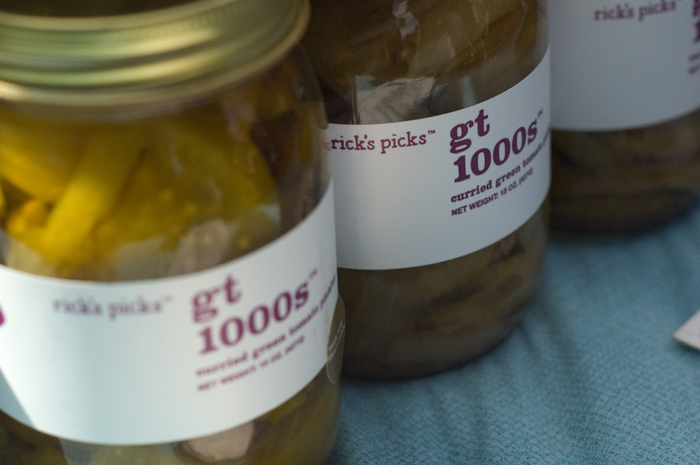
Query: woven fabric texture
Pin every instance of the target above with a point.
(591, 376)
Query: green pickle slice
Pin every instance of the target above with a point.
(625, 182)
(166, 195)
(390, 61)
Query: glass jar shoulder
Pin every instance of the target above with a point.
(413, 59)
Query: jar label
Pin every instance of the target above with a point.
(425, 191)
(175, 358)
(623, 65)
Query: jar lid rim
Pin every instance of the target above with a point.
(144, 55)
(107, 22)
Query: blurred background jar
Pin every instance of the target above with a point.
(439, 134)
(625, 114)
(167, 236)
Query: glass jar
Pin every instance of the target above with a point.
(168, 243)
(439, 133)
(625, 114)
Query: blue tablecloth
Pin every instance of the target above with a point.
(591, 376)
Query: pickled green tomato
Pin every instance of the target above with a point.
(622, 182)
(295, 432)
(145, 199)
(416, 59)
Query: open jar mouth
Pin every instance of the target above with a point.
(157, 55)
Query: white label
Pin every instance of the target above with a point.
(621, 65)
(170, 359)
(689, 333)
(425, 191)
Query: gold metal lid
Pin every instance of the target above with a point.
(142, 57)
